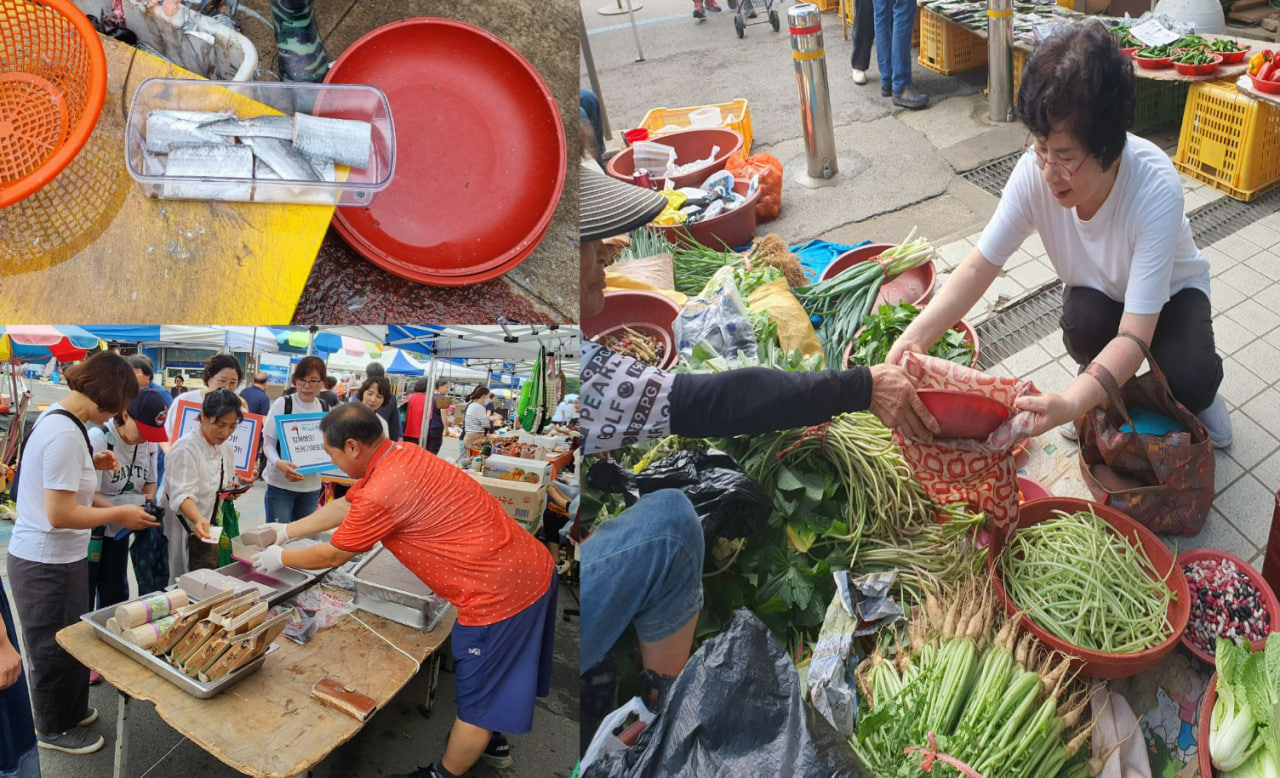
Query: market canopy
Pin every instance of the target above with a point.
(254, 339)
(512, 343)
(402, 365)
(65, 343)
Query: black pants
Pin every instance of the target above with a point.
(1182, 344)
(434, 441)
(109, 576)
(864, 34)
(47, 598)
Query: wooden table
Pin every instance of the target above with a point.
(1169, 74)
(91, 241)
(268, 725)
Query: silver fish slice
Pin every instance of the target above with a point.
(283, 158)
(345, 141)
(280, 127)
(166, 130)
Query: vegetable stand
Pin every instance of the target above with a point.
(269, 725)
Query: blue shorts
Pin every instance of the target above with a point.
(503, 667)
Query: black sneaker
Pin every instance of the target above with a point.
(89, 718)
(421, 772)
(698, 12)
(910, 98)
(886, 91)
(73, 741)
(498, 752)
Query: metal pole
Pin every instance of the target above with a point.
(590, 62)
(635, 31)
(807, 51)
(1000, 59)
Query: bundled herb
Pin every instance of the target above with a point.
(842, 302)
(1086, 584)
(964, 684)
(886, 325)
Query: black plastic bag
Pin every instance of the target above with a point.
(736, 710)
(729, 502)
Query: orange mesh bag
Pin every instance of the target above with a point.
(979, 473)
(770, 170)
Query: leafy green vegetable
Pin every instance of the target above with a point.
(1224, 46)
(886, 325)
(1155, 52)
(1194, 57)
(1244, 728)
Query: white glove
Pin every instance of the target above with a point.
(282, 532)
(269, 560)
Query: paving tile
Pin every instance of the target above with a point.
(1219, 261)
(1239, 384)
(1216, 533)
(1051, 377)
(1032, 275)
(1034, 245)
(1226, 470)
(1248, 505)
(1260, 235)
(1026, 361)
(1268, 471)
(1004, 287)
(1069, 365)
(1251, 444)
(1245, 279)
(1262, 359)
(1254, 317)
(1256, 561)
(1267, 263)
(1052, 344)
(953, 254)
(1269, 297)
(1271, 221)
(1229, 336)
(1196, 199)
(1224, 297)
(1263, 409)
(1237, 247)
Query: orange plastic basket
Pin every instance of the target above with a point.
(53, 79)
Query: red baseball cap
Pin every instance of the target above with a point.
(149, 411)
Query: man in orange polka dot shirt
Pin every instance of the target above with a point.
(442, 525)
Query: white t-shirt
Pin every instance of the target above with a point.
(195, 395)
(477, 418)
(1137, 249)
(270, 436)
(137, 466)
(57, 458)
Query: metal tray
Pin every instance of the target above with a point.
(287, 582)
(193, 686)
(387, 588)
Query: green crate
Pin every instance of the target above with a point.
(1158, 103)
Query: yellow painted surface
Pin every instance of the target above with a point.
(91, 248)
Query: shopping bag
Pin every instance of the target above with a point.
(1175, 470)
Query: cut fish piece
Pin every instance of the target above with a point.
(165, 131)
(347, 141)
(325, 169)
(280, 127)
(283, 158)
(199, 118)
(211, 161)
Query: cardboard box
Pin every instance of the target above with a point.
(531, 471)
(522, 501)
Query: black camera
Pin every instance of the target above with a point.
(153, 510)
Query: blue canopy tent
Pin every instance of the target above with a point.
(252, 339)
(402, 365)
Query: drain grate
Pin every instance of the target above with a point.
(993, 175)
(1217, 220)
(1020, 325)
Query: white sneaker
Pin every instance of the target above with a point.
(1218, 420)
(1068, 431)
(859, 77)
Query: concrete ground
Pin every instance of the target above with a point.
(904, 170)
(397, 740)
(343, 285)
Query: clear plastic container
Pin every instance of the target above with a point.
(353, 186)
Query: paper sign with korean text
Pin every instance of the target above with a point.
(302, 443)
(244, 441)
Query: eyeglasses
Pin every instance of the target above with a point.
(311, 381)
(1042, 161)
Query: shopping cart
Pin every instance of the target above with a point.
(747, 9)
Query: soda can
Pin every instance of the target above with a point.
(642, 178)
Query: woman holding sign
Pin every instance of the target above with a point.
(221, 371)
(291, 494)
(200, 466)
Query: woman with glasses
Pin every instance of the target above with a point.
(1108, 207)
(290, 494)
(221, 371)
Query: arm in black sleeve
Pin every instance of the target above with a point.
(756, 400)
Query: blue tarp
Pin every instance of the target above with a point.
(816, 255)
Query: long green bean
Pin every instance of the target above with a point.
(1083, 582)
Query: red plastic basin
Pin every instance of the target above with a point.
(1266, 87)
(914, 286)
(970, 334)
(691, 146)
(480, 153)
(1031, 489)
(1269, 600)
(647, 312)
(1233, 57)
(964, 415)
(1153, 63)
(1099, 664)
(1198, 70)
(733, 229)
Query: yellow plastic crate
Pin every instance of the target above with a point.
(1019, 64)
(948, 48)
(915, 32)
(735, 115)
(827, 6)
(1230, 141)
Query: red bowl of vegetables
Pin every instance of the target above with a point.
(1030, 489)
(1234, 57)
(1207, 770)
(1266, 87)
(914, 286)
(690, 145)
(636, 323)
(1198, 70)
(964, 327)
(1092, 663)
(1268, 601)
(1153, 63)
(1128, 51)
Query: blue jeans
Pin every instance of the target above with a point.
(284, 506)
(645, 566)
(589, 109)
(894, 22)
